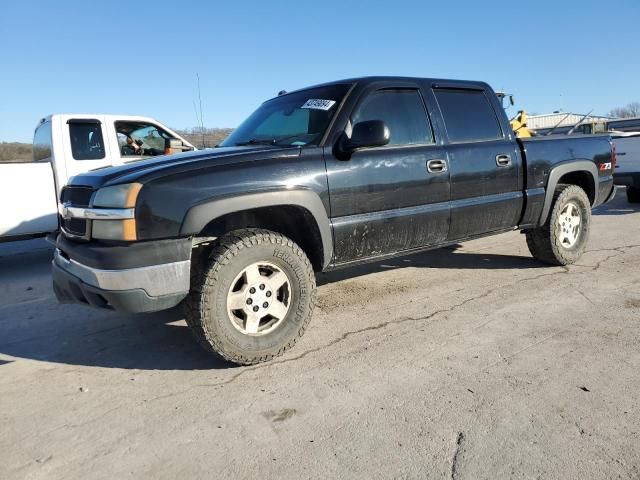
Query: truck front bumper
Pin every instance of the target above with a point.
(143, 277)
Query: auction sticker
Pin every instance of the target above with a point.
(318, 104)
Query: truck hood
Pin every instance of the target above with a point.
(172, 164)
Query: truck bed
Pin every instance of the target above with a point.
(544, 153)
(28, 197)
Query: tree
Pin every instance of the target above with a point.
(628, 111)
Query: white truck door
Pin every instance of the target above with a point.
(86, 145)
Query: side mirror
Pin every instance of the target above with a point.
(371, 133)
(174, 145)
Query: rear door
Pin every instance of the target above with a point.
(484, 163)
(85, 145)
(387, 199)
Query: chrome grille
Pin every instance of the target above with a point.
(77, 197)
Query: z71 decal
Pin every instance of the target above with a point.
(605, 166)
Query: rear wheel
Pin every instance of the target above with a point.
(633, 195)
(252, 298)
(563, 237)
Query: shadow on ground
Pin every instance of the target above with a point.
(77, 335)
(34, 326)
(448, 258)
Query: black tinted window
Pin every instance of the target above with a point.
(402, 111)
(468, 115)
(86, 140)
(42, 143)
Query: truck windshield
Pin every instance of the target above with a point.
(294, 119)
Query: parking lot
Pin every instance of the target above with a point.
(466, 363)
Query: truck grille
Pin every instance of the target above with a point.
(77, 197)
(74, 226)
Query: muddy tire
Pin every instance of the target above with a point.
(633, 195)
(251, 297)
(563, 237)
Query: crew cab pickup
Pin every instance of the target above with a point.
(316, 179)
(63, 146)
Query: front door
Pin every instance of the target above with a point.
(392, 198)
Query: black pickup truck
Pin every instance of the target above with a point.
(316, 179)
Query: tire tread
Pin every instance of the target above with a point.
(204, 274)
(633, 195)
(541, 241)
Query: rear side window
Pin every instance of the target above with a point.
(42, 143)
(468, 115)
(402, 111)
(86, 140)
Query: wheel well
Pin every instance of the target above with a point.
(583, 180)
(295, 222)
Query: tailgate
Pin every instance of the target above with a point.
(628, 153)
(28, 197)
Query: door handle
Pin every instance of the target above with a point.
(503, 160)
(436, 166)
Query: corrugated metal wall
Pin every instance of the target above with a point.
(552, 119)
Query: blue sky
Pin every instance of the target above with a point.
(135, 57)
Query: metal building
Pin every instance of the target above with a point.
(624, 124)
(561, 119)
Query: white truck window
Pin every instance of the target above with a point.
(137, 139)
(86, 139)
(42, 143)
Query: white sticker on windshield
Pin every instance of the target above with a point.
(318, 104)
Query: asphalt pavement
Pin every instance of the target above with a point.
(474, 362)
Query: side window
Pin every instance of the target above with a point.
(137, 139)
(402, 111)
(42, 143)
(468, 115)
(86, 140)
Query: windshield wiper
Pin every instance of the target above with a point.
(257, 141)
(276, 142)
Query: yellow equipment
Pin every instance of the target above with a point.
(519, 122)
(519, 125)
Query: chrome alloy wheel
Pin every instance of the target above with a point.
(569, 224)
(259, 299)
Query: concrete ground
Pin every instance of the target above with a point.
(465, 363)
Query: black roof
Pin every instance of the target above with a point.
(381, 78)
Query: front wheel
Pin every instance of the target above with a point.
(563, 237)
(253, 298)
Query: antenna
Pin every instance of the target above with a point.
(198, 112)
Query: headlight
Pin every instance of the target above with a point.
(118, 196)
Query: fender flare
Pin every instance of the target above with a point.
(199, 216)
(561, 170)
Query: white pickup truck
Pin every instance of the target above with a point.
(65, 145)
